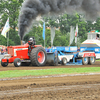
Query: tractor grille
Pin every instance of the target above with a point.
(10, 51)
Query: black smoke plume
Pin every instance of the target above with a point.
(33, 8)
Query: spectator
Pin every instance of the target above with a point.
(2, 52)
(6, 50)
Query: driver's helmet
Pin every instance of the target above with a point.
(31, 39)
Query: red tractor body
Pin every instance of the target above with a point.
(18, 52)
(25, 55)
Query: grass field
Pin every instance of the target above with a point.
(55, 71)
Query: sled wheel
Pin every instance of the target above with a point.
(64, 61)
(85, 60)
(91, 60)
(4, 64)
(38, 56)
(17, 62)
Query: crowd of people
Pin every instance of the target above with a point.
(3, 50)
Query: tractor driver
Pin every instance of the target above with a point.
(31, 43)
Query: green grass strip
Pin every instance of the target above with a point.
(98, 60)
(55, 71)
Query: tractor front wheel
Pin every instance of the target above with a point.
(4, 64)
(38, 56)
(17, 62)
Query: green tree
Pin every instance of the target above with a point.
(64, 21)
(35, 32)
(97, 24)
(11, 9)
(3, 41)
(89, 26)
(60, 40)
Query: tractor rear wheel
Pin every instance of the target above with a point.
(17, 62)
(4, 64)
(38, 56)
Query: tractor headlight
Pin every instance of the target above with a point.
(7, 56)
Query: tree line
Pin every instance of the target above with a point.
(63, 22)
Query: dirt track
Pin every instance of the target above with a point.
(11, 67)
(81, 87)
